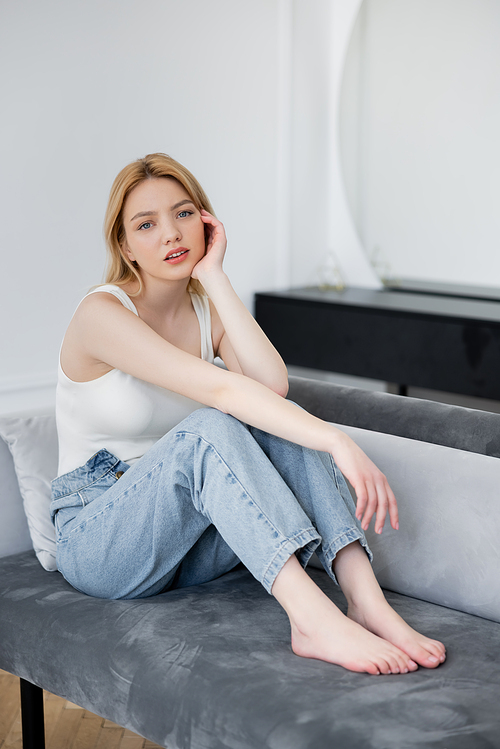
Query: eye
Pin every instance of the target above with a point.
(145, 225)
(183, 214)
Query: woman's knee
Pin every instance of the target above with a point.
(211, 423)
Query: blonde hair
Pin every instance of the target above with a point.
(120, 269)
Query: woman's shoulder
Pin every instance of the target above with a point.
(97, 306)
(110, 290)
(98, 317)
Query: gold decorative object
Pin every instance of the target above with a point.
(383, 268)
(330, 275)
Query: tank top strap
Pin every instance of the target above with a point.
(201, 306)
(118, 292)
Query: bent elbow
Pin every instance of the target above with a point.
(284, 390)
(281, 388)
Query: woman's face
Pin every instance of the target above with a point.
(164, 232)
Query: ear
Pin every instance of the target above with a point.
(127, 252)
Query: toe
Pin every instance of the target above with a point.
(425, 653)
(427, 658)
(397, 662)
(435, 653)
(433, 661)
(370, 667)
(384, 665)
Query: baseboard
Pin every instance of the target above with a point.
(26, 392)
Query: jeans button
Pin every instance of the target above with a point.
(119, 474)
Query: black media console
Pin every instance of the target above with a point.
(441, 337)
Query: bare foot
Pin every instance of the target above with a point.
(320, 630)
(378, 617)
(368, 607)
(332, 637)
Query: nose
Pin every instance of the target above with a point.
(171, 233)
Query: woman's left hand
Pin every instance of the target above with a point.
(373, 493)
(216, 247)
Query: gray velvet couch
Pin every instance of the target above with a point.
(210, 667)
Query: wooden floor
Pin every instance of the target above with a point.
(67, 726)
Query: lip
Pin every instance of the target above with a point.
(174, 260)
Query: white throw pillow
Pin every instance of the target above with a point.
(33, 445)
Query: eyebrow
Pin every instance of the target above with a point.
(144, 213)
(155, 213)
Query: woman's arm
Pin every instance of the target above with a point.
(109, 334)
(241, 343)
(258, 406)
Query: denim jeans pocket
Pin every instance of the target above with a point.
(75, 490)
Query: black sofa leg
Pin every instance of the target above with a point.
(32, 716)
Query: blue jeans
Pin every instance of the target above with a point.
(209, 494)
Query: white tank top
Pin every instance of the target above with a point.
(119, 412)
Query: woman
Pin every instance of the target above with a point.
(150, 498)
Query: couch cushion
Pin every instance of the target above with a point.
(447, 548)
(33, 444)
(210, 667)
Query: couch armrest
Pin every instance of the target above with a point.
(439, 423)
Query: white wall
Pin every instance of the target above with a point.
(87, 86)
(238, 91)
(241, 93)
(322, 230)
(420, 127)
(310, 133)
